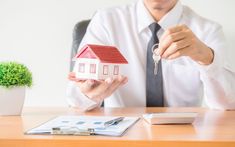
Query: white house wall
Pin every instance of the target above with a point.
(99, 69)
(110, 70)
(86, 74)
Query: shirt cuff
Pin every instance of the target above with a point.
(211, 69)
(78, 100)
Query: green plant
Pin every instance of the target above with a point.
(13, 74)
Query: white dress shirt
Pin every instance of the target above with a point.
(185, 82)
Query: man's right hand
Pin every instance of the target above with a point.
(98, 90)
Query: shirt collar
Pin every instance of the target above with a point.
(144, 18)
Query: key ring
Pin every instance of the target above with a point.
(154, 46)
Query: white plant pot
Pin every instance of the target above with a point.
(11, 100)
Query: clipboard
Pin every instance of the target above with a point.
(84, 126)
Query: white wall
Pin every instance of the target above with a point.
(38, 33)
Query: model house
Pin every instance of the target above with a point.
(98, 62)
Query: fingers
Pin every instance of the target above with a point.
(175, 46)
(106, 88)
(172, 30)
(124, 81)
(72, 74)
(98, 90)
(169, 39)
(84, 85)
(72, 77)
(87, 85)
(179, 53)
(174, 40)
(112, 85)
(118, 82)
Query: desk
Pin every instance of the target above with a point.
(212, 128)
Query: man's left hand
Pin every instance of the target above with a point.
(181, 41)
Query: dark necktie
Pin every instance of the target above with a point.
(154, 83)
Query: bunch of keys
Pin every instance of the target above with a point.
(156, 59)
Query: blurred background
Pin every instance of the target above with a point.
(38, 33)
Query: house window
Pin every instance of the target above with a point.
(81, 67)
(92, 68)
(105, 69)
(116, 70)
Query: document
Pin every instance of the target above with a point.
(85, 125)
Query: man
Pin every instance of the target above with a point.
(192, 64)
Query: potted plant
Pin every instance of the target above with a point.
(14, 78)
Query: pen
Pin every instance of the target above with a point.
(113, 122)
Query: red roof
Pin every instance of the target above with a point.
(106, 54)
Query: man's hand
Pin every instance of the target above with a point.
(101, 89)
(180, 41)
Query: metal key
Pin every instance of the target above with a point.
(156, 59)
